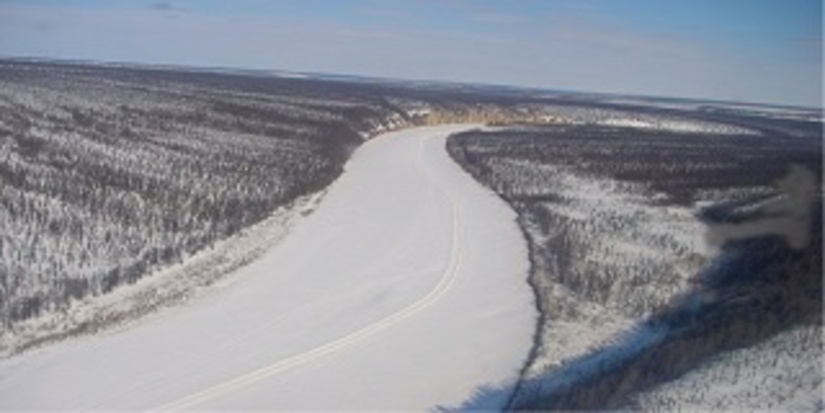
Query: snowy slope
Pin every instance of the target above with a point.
(405, 289)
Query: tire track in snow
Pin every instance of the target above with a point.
(446, 281)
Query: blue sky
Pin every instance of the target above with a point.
(748, 50)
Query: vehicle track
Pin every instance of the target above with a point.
(449, 275)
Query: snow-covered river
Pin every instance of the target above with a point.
(405, 289)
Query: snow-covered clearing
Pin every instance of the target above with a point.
(404, 289)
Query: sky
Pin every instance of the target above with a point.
(767, 51)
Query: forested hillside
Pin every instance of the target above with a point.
(649, 244)
(109, 174)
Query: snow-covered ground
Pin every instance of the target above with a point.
(592, 115)
(404, 289)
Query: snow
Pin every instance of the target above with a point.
(405, 289)
(675, 125)
(641, 120)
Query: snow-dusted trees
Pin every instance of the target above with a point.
(614, 216)
(107, 174)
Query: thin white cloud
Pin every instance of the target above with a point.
(494, 17)
(385, 12)
(163, 5)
